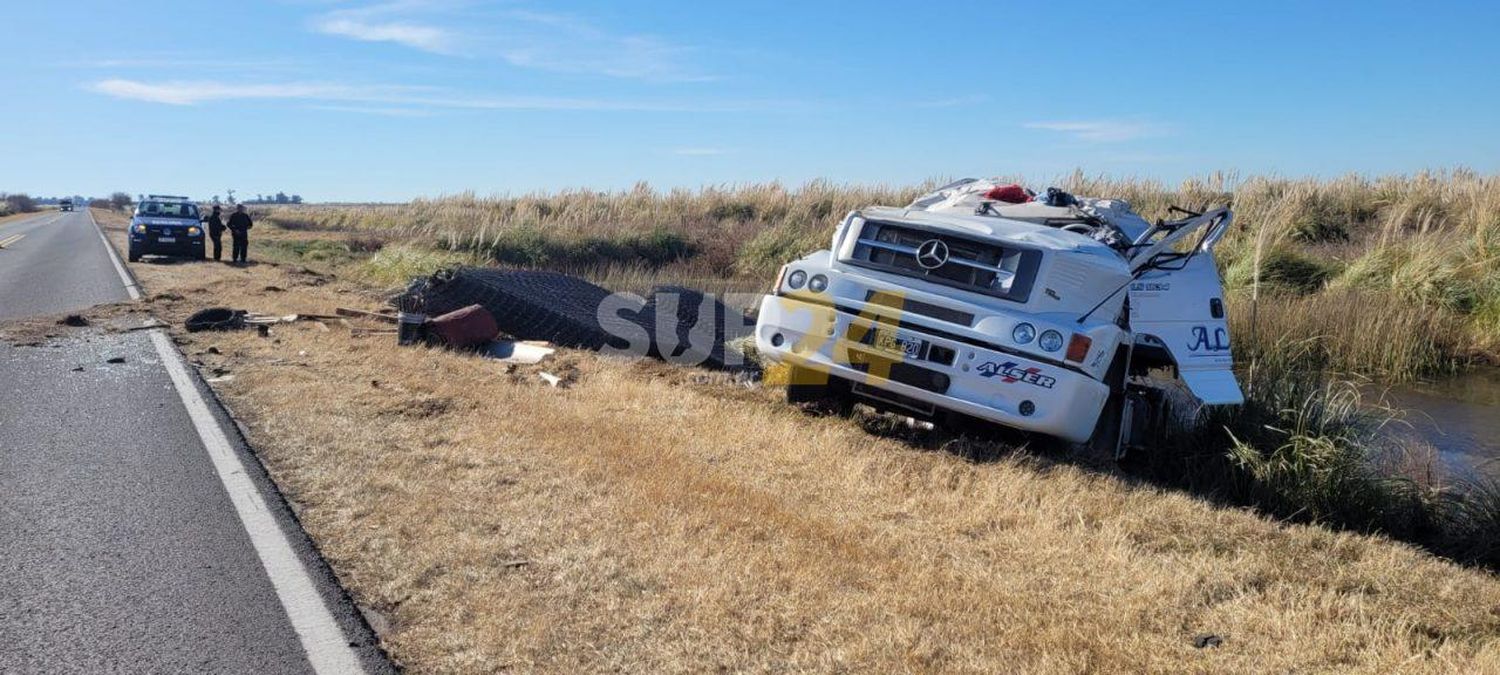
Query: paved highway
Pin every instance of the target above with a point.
(56, 264)
(137, 533)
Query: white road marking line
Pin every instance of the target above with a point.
(322, 640)
(114, 257)
(327, 648)
(11, 240)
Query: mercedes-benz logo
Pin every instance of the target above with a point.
(932, 254)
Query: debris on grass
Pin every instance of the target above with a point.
(519, 352)
(465, 328)
(674, 323)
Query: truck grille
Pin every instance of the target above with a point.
(972, 265)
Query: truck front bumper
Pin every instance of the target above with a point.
(924, 368)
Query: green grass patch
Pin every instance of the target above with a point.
(530, 246)
(398, 264)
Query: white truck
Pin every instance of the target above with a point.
(1074, 318)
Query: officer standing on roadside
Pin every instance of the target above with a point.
(216, 232)
(239, 229)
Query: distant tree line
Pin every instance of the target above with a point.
(278, 198)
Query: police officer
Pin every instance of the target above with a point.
(216, 232)
(239, 229)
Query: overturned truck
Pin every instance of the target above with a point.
(1065, 316)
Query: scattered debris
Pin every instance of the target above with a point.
(263, 330)
(551, 379)
(362, 314)
(464, 328)
(213, 350)
(74, 320)
(115, 359)
(216, 318)
(1207, 641)
(515, 563)
(673, 323)
(274, 289)
(77, 369)
(524, 353)
(363, 332)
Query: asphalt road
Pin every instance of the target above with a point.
(57, 265)
(121, 548)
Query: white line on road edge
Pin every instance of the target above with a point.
(325, 644)
(327, 649)
(114, 257)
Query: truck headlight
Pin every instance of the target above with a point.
(796, 279)
(1050, 341)
(193, 231)
(138, 228)
(1023, 333)
(818, 283)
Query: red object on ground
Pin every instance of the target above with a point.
(1010, 194)
(464, 328)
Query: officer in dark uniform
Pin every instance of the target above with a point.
(216, 232)
(239, 229)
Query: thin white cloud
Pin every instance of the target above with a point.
(418, 36)
(1101, 131)
(567, 44)
(186, 93)
(179, 92)
(552, 42)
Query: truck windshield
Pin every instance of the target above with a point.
(168, 209)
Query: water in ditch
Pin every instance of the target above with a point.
(1459, 417)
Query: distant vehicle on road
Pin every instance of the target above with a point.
(166, 225)
(65, 205)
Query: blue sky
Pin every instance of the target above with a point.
(385, 101)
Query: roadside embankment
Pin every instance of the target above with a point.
(648, 517)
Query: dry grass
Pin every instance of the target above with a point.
(1426, 244)
(637, 520)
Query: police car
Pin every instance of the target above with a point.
(166, 225)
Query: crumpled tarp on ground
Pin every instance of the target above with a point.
(673, 323)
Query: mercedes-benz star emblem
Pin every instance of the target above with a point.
(932, 254)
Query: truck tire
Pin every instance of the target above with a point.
(819, 392)
(132, 256)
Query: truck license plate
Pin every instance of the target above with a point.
(167, 240)
(898, 343)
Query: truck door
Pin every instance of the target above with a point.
(1179, 308)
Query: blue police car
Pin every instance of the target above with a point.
(166, 225)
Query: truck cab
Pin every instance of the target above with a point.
(1028, 316)
(166, 225)
(65, 205)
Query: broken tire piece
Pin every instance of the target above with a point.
(216, 318)
(74, 320)
(115, 359)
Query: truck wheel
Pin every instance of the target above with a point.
(819, 392)
(132, 256)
